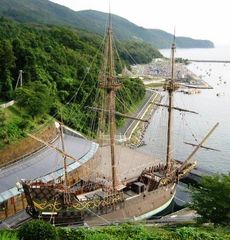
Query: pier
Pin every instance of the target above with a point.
(209, 61)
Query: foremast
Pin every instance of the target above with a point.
(110, 84)
(171, 87)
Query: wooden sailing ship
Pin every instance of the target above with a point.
(96, 202)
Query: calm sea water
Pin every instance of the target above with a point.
(213, 105)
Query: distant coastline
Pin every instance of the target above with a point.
(45, 12)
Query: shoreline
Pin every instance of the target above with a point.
(137, 136)
(158, 71)
(191, 81)
(135, 130)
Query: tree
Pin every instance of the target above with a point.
(7, 61)
(212, 199)
(136, 52)
(37, 98)
(67, 61)
(25, 60)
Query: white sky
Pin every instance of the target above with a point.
(202, 19)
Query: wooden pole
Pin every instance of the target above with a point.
(64, 157)
(110, 85)
(112, 96)
(170, 113)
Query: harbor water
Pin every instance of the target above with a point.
(212, 106)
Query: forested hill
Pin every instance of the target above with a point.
(44, 11)
(60, 75)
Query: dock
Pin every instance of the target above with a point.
(209, 61)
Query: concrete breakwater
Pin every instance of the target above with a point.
(210, 61)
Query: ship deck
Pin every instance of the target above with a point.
(130, 163)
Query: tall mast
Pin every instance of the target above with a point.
(171, 88)
(111, 86)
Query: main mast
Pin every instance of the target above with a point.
(111, 85)
(171, 87)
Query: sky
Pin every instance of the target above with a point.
(200, 19)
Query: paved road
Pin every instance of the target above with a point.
(43, 162)
(130, 123)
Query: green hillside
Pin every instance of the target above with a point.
(44, 11)
(60, 76)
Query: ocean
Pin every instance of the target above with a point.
(213, 105)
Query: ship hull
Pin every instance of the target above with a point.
(139, 207)
(128, 208)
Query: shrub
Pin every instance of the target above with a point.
(212, 199)
(37, 230)
(191, 233)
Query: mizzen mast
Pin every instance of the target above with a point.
(110, 85)
(64, 157)
(66, 182)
